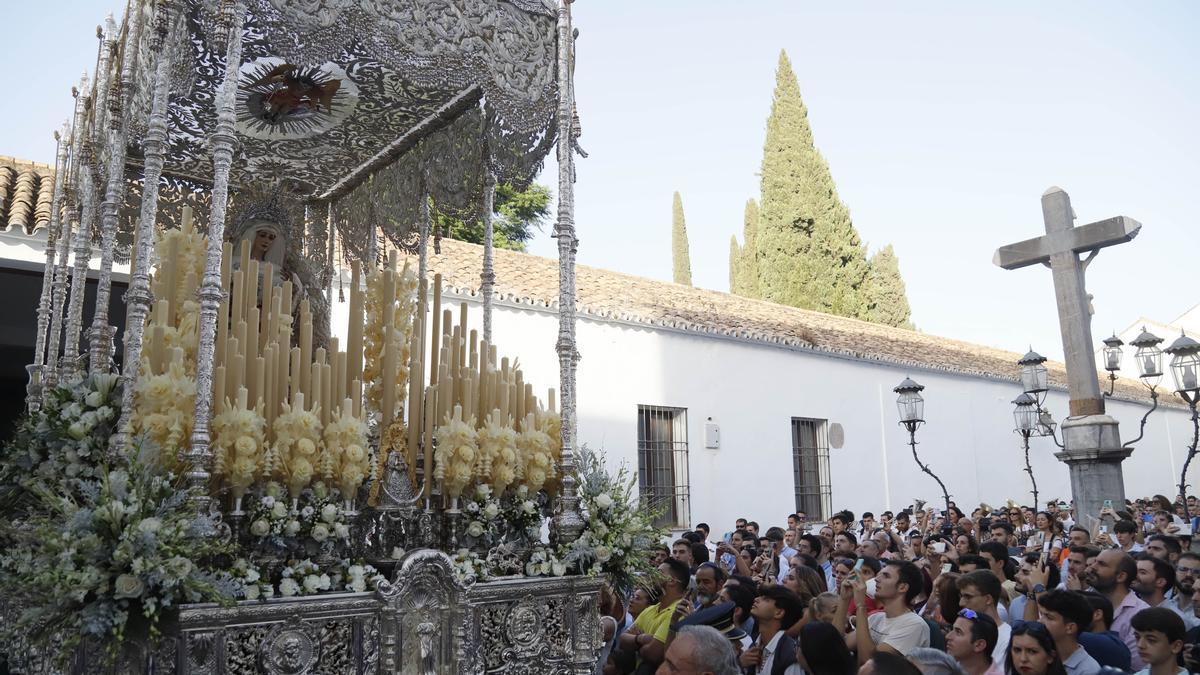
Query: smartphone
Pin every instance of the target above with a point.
(858, 564)
(938, 547)
(1103, 529)
(1108, 503)
(946, 567)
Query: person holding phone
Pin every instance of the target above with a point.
(897, 628)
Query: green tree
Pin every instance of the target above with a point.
(515, 217)
(886, 297)
(735, 267)
(748, 281)
(808, 252)
(681, 260)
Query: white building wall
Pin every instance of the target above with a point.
(752, 391)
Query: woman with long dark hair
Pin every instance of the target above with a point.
(1031, 651)
(822, 650)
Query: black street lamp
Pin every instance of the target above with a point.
(1185, 368)
(912, 415)
(1149, 363)
(1027, 420)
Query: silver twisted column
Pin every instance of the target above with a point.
(487, 277)
(70, 192)
(568, 522)
(36, 375)
(101, 335)
(138, 298)
(223, 140)
(89, 178)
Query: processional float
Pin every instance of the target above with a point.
(243, 154)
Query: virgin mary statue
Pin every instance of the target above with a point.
(275, 238)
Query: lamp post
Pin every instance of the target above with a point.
(1027, 420)
(1112, 360)
(1149, 362)
(912, 415)
(1035, 384)
(1185, 368)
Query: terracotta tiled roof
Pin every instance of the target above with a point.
(26, 190)
(606, 295)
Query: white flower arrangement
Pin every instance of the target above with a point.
(543, 563)
(619, 532)
(315, 521)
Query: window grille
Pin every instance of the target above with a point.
(663, 464)
(810, 468)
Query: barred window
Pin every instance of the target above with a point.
(810, 468)
(663, 464)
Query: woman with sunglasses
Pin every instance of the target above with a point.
(1031, 651)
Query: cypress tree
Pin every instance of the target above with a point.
(748, 265)
(681, 261)
(736, 285)
(808, 252)
(886, 297)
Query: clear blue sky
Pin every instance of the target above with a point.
(942, 122)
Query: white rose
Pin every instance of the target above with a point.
(603, 500)
(558, 568)
(484, 491)
(150, 525)
(268, 591)
(475, 529)
(341, 531)
(279, 510)
(601, 529)
(94, 399)
(268, 501)
(356, 570)
(329, 513)
(358, 585)
(105, 412)
(128, 586)
(252, 592)
(325, 582)
(260, 528)
(491, 510)
(320, 532)
(288, 587)
(312, 583)
(252, 575)
(292, 528)
(528, 506)
(603, 553)
(76, 430)
(397, 553)
(522, 490)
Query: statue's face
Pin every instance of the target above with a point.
(264, 238)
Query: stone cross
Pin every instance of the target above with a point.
(1091, 444)
(1059, 249)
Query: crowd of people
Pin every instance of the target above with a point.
(1004, 591)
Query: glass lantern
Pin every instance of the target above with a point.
(1033, 374)
(1148, 357)
(1025, 414)
(1113, 353)
(1185, 366)
(909, 402)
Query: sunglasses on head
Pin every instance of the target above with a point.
(1032, 627)
(968, 614)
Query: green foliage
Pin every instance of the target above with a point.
(96, 546)
(735, 266)
(681, 260)
(808, 253)
(743, 268)
(516, 216)
(887, 302)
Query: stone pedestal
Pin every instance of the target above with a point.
(1093, 454)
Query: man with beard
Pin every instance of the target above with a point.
(844, 545)
(1164, 547)
(1155, 578)
(647, 638)
(1112, 575)
(709, 580)
(897, 628)
(1187, 570)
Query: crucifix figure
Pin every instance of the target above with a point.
(1091, 443)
